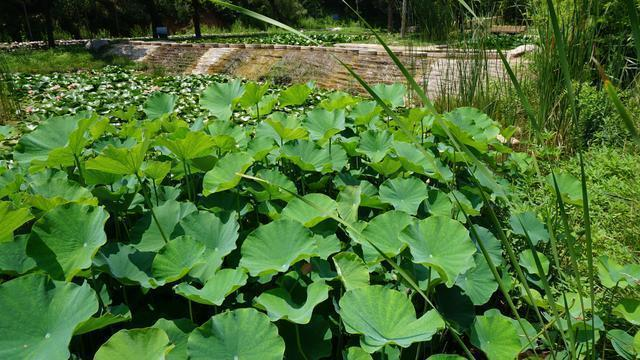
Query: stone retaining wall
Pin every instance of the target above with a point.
(439, 68)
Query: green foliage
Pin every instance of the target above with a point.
(63, 59)
(323, 38)
(277, 236)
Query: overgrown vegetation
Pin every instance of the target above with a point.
(205, 217)
(68, 58)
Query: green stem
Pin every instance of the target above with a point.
(145, 194)
(95, 287)
(299, 343)
(79, 166)
(186, 180)
(155, 191)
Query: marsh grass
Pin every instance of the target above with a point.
(61, 59)
(9, 105)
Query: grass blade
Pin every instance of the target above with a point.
(523, 98)
(561, 47)
(635, 24)
(622, 110)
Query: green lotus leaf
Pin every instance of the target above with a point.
(52, 189)
(14, 258)
(622, 343)
(178, 332)
(38, 316)
(445, 357)
(7, 131)
(176, 258)
(317, 343)
(115, 315)
(156, 170)
(326, 245)
(260, 147)
(275, 188)
(135, 344)
(311, 209)
(119, 161)
(393, 95)
(352, 271)
(387, 167)
(65, 239)
(636, 343)
(11, 219)
(276, 246)
(375, 144)
(309, 157)
(527, 224)
(348, 202)
(528, 262)
(88, 129)
(357, 353)
(471, 127)
(51, 134)
(628, 309)
(454, 306)
(279, 304)
(159, 104)
(127, 264)
(221, 98)
(282, 128)
(265, 106)
(239, 334)
(323, 124)
(441, 243)
(216, 289)
(569, 186)
(295, 95)
(385, 316)
(365, 112)
(384, 232)
(496, 336)
(422, 162)
(253, 93)
(612, 274)
(225, 174)
(490, 242)
(478, 282)
(219, 235)
(192, 145)
(227, 129)
(338, 100)
(404, 194)
(147, 236)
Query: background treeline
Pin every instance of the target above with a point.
(22, 20)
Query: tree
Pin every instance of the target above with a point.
(49, 23)
(153, 13)
(196, 18)
(403, 19)
(390, 15)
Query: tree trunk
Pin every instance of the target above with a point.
(403, 19)
(26, 19)
(47, 14)
(196, 18)
(390, 15)
(153, 13)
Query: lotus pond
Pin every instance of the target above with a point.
(208, 218)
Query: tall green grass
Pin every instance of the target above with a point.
(9, 106)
